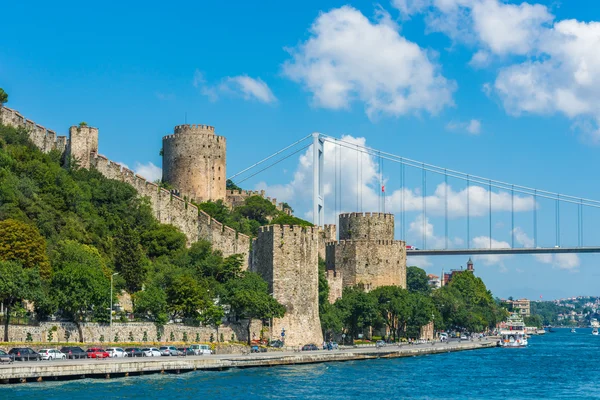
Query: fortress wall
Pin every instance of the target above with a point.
(236, 198)
(287, 258)
(373, 263)
(366, 226)
(44, 139)
(336, 286)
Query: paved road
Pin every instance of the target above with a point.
(274, 354)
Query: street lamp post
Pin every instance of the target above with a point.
(111, 304)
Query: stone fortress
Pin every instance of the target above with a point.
(194, 162)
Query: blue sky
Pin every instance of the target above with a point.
(503, 90)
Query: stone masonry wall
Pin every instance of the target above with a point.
(326, 235)
(93, 331)
(83, 143)
(366, 226)
(373, 263)
(194, 162)
(44, 139)
(335, 282)
(171, 209)
(287, 258)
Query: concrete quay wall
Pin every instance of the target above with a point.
(111, 368)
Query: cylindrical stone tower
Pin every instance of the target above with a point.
(366, 226)
(194, 162)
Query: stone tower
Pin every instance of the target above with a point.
(83, 143)
(194, 162)
(287, 258)
(367, 253)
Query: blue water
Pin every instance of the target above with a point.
(558, 365)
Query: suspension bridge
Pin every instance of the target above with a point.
(528, 220)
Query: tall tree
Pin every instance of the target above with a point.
(249, 299)
(130, 260)
(358, 309)
(417, 281)
(80, 282)
(23, 243)
(17, 284)
(394, 308)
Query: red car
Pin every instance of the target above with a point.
(97, 352)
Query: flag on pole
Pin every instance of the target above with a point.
(383, 188)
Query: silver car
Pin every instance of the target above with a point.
(169, 351)
(151, 352)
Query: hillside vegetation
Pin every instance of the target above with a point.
(76, 229)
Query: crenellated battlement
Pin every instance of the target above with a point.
(194, 129)
(236, 198)
(288, 229)
(367, 225)
(366, 243)
(44, 139)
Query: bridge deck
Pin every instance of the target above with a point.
(474, 252)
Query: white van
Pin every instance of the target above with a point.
(200, 349)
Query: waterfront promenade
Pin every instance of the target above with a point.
(21, 372)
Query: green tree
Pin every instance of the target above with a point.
(229, 185)
(23, 243)
(331, 320)
(163, 240)
(80, 285)
(358, 309)
(152, 304)
(249, 299)
(213, 315)
(130, 260)
(417, 281)
(422, 311)
(393, 306)
(3, 97)
(186, 298)
(17, 284)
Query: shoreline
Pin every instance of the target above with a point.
(40, 371)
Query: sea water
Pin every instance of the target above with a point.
(557, 365)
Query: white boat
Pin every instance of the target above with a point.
(513, 335)
(595, 331)
(595, 326)
(573, 330)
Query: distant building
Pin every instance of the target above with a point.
(434, 281)
(447, 276)
(521, 306)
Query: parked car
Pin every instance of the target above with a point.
(116, 352)
(186, 351)
(257, 349)
(464, 336)
(277, 344)
(5, 357)
(168, 351)
(201, 349)
(379, 343)
(74, 352)
(134, 352)
(309, 347)
(330, 346)
(151, 352)
(96, 352)
(52, 354)
(24, 354)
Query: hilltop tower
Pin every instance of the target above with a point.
(83, 143)
(194, 162)
(287, 258)
(367, 253)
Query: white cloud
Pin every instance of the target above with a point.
(149, 171)
(558, 67)
(241, 85)
(249, 88)
(350, 58)
(472, 127)
(359, 175)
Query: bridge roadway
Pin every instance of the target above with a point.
(477, 252)
(32, 371)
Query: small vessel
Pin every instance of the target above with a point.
(513, 335)
(573, 330)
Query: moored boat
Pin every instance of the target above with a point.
(514, 334)
(595, 326)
